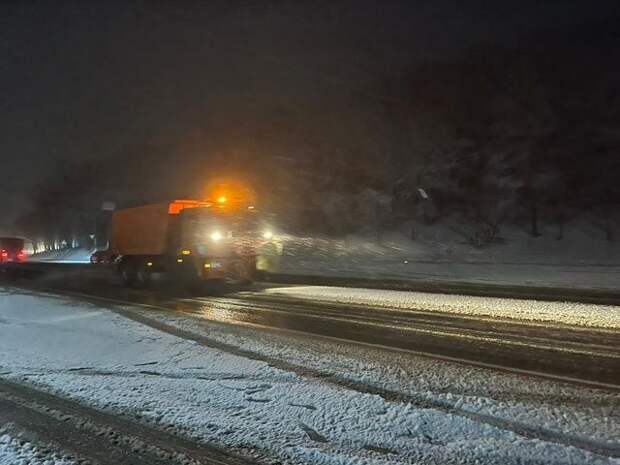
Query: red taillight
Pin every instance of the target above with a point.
(21, 256)
(4, 254)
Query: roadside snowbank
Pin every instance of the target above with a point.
(581, 245)
(604, 316)
(538, 275)
(583, 259)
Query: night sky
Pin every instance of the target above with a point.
(85, 79)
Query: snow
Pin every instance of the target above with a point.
(539, 403)
(578, 314)
(581, 259)
(75, 255)
(574, 276)
(249, 405)
(446, 241)
(14, 451)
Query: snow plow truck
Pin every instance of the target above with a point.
(189, 240)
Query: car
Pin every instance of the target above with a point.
(11, 250)
(102, 257)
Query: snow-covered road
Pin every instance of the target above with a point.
(571, 313)
(14, 451)
(279, 415)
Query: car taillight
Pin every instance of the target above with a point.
(20, 256)
(4, 254)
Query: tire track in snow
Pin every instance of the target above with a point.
(101, 437)
(522, 429)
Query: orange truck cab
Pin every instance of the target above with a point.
(193, 240)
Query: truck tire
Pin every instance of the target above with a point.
(243, 272)
(143, 276)
(127, 270)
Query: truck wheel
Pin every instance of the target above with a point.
(128, 273)
(243, 273)
(143, 276)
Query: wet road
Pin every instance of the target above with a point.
(586, 355)
(551, 349)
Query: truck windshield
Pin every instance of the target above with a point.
(206, 227)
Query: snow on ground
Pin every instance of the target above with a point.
(605, 316)
(76, 255)
(450, 242)
(88, 353)
(582, 259)
(573, 276)
(15, 451)
(540, 403)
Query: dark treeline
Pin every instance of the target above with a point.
(526, 136)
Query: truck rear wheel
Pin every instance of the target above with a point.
(128, 273)
(143, 276)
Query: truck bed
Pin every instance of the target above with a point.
(140, 230)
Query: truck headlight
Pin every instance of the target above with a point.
(216, 236)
